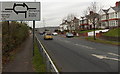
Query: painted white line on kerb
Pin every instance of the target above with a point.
(48, 56)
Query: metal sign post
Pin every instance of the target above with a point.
(33, 35)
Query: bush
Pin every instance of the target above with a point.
(13, 35)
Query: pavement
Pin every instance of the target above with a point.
(79, 55)
(23, 59)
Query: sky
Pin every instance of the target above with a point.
(54, 11)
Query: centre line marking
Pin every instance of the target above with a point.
(84, 46)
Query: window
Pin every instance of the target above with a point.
(116, 23)
(119, 14)
(116, 14)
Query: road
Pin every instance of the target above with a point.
(79, 55)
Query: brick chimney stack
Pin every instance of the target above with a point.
(91, 12)
(118, 4)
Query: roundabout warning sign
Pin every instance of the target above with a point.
(22, 11)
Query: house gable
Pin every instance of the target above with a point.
(111, 10)
(101, 12)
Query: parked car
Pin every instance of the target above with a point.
(54, 33)
(69, 35)
(41, 33)
(48, 36)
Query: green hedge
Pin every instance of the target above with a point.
(13, 35)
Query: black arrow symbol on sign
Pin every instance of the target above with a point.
(17, 12)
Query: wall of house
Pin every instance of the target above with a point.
(113, 23)
(103, 17)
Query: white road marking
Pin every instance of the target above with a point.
(114, 54)
(105, 57)
(99, 56)
(84, 46)
(55, 68)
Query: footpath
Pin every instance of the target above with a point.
(22, 61)
(0, 48)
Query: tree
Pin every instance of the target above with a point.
(92, 10)
(70, 17)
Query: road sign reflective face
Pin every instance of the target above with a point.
(20, 11)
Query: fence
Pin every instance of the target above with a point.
(50, 66)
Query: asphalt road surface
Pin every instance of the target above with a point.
(78, 55)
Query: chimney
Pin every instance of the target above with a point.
(118, 4)
(91, 12)
(74, 18)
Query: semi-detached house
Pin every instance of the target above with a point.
(111, 17)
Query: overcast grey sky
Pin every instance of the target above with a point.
(53, 11)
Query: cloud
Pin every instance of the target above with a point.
(53, 11)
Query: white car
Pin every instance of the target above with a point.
(55, 33)
(69, 35)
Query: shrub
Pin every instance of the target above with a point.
(13, 35)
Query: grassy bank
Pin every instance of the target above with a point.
(38, 62)
(85, 31)
(113, 32)
(102, 41)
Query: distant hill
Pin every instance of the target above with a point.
(51, 29)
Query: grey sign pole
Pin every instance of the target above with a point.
(33, 35)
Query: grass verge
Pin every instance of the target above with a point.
(38, 62)
(102, 41)
(113, 32)
(87, 31)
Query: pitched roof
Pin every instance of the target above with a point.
(116, 8)
(105, 10)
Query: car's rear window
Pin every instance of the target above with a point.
(48, 34)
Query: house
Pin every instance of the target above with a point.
(104, 23)
(110, 18)
(84, 25)
(63, 26)
(87, 22)
(70, 25)
(76, 23)
(114, 17)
